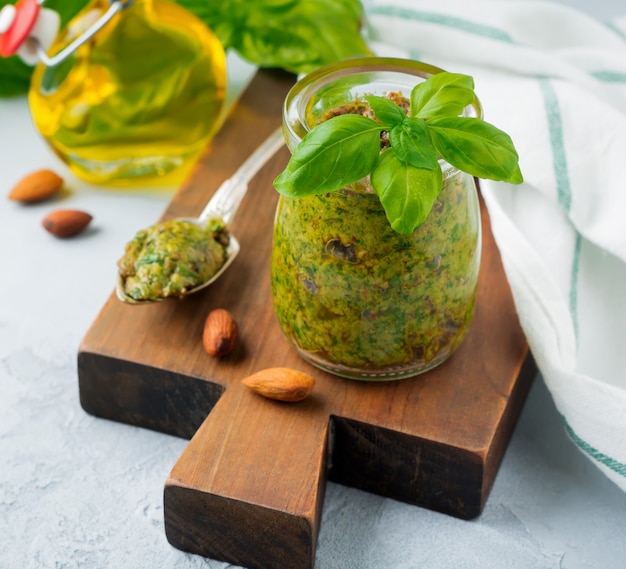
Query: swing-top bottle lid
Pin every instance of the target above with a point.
(28, 30)
(16, 23)
(25, 27)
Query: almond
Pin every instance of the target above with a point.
(281, 383)
(66, 222)
(220, 333)
(36, 187)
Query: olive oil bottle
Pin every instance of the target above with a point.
(139, 101)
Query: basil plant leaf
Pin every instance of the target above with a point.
(14, 76)
(224, 19)
(407, 193)
(333, 36)
(273, 44)
(386, 111)
(335, 153)
(411, 144)
(295, 35)
(476, 147)
(67, 9)
(443, 94)
(352, 10)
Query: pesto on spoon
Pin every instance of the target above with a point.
(176, 258)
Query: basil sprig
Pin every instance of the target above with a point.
(406, 176)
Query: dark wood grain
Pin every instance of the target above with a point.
(248, 489)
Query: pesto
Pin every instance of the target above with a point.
(170, 258)
(357, 298)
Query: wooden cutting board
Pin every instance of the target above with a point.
(249, 487)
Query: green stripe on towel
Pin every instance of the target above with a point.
(614, 465)
(609, 76)
(444, 20)
(555, 126)
(564, 190)
(573, 289)
(615, 28)
(565, 200)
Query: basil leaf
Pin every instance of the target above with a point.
(14, 76)
(67, 9)
(406, 193)
(334, 154)
(411, 143)
(386, 111)
(328, 26)
(443, 94)
(351, 9)
(223, 18)
(476, 147)
(295, 35)
(280, 46)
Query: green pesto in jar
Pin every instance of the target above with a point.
(351, 293)
(170, 258)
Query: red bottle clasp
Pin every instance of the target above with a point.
(16, 23)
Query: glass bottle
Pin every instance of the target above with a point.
(136, 103)
(352, 296)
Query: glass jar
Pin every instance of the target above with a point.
(136, 103)
(352, 296)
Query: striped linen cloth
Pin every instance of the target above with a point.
(555, 80)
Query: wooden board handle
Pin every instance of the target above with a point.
(257, 465)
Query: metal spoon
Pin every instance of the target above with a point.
(224, 204)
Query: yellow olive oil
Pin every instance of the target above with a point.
(139, 101)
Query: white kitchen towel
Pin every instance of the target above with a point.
(555, 80)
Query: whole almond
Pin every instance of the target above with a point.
(220, 333)
(66, 222)
(281, 383)
(36, 187)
